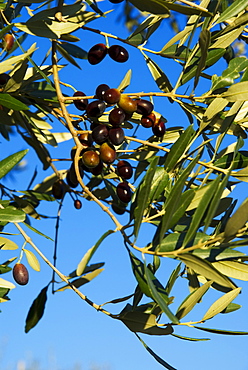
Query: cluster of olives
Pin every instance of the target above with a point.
(99, 145)
(99, 51)
(20, 274)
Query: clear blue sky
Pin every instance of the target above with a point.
(71, 334)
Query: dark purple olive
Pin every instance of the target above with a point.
(118, 53)
(158, 129)
(71, 177)
(95, 108)
(116, 135)
(85, 139)
(148, 121)
(4, 78)
(144, 107)
(80, 104)
(100, 134)
(58, 189)
(112, 96)
(118, 209)
(124, 169)
(100, 91)
(97, 170)
(124, 193)
(97, 53)
(20, 274)
(77, 204)
(117, 117)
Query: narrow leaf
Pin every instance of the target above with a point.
(88, 255)
(206, 269)
(159, 297)
(189, 303)
(36, 310)
(11, 214)
(238, 91)
(156, 357)
(198, 216)
(32, 260)
(6, 284)
(10, 162)
(232, 10)
(221, 304)
(178, 149)
(237, 221)
(12, 103)
(6, 244)
(142, 196)
(220, 331)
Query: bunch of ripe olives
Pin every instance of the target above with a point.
(100, 142)
(99, 51)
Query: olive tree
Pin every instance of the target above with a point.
(177, 180)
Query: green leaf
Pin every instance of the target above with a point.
(36, 310)
(6, 284)
(240, 160)
(231, 307)
(37, 231)
(205, 268)
(172, 279)
(189, 338)
(221, 304)
(223, 332)
(186, 199)
(74, 50)
(143, 323)
(155, 356)
(189, 302)
(159, 183)
(37, 195)
(126, 81)
(204, 41)
(7, 244)
(8, 101)
(77, 283)
(236, 65)
(232, 10)
(159, 297)
(67, 56)
(11, 214)
(212, 57)
(172, 202)
(32, 259)
(228, 37)
(142, 195)
(16, 80)
(238, 91)
(139, 273)
(178, 149)
(199, 214)
(158, 75)
(151, 6)
(233, 269)
(48, 29)
(88, 255)
(237, 221)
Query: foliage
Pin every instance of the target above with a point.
(182, 180)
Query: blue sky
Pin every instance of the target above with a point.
(71, 334)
